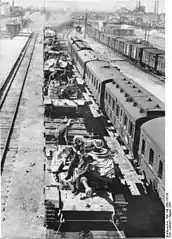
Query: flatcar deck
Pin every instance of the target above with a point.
(131, 178)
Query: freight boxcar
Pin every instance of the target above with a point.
(97, 34)
(137, 51)
(118, 43)
(150, 58)
(13, 28)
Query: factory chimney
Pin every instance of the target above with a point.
(156, 8)
(138, 4)
(13, 4)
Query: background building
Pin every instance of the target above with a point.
(4, 9)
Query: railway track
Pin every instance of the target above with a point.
(144, 69)
(11, 94)
(158, 78)
(4, 85)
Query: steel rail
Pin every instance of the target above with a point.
(7, 141)
(139, 66)
(13, 71)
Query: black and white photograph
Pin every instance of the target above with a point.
(83, 119)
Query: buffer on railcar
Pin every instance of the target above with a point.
(152, 155)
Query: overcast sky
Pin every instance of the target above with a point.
(97, 3)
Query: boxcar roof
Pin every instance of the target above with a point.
(140, 45)
(103, 71)
(13, 24)
(162, 55)
(87, 55)
(154, 51)
(155, 130)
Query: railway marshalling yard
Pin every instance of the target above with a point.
(23, 178)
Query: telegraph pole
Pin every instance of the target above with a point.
(44, 6)
(86, 16)
(149, 28)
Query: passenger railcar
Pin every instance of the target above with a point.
(13, 28)
(128, 107)
(75, 45)
(83, 57)
(72, 41)
(97, 74)
(152, 154)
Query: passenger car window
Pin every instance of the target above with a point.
(109, 99)
(160, 169)
(121, 115)
(143, 147)
(113, 104)
(117, 110)
(151, 156)
(125, 120)
(106, 95)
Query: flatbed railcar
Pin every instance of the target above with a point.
(126, 103)
(105, 213)
(147, 56)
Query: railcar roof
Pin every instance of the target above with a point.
(76, 47)
(13, 23)
(127, 39)
(154, 51)
(87, 55)
(103, 71)
(76, 39)
(155, 130)
(140, 45)
(162, 55)
(131, 110)
(138, 94)
(82, 44)
(136, 105)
